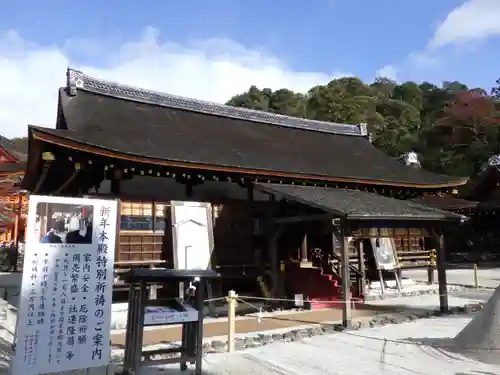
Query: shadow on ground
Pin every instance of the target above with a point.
(479, 294)
(444, 347)
(484, 265)
(440, 343)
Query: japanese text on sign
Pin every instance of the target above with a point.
(65, 308)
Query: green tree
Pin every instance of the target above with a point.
(409, 92)
(383, 88)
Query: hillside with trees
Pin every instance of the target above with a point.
(454, 128)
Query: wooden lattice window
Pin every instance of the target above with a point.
(143, 216)
(160, 210)
(136, 216)
(417, 239)
(401, 240)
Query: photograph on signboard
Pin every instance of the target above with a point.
(384, 253)
(64, 317)
(64, 223)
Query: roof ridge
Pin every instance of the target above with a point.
(77, 80)
(5, 144)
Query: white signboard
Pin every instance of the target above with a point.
(65, 310)
(167, 315)
(299, 300)
(384, 253)
(192, 235)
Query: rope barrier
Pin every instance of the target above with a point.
(249, 304)
(292, 300)
(250, 301)
(270, 299)
(215, 299)
(259, 316)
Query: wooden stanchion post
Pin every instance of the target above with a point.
(432, 266)
(153, 288)
(231, 318)
(476, 281)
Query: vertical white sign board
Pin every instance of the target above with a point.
(384, 253)
(192, 235)
(65, 310)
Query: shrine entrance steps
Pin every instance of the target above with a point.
(322, 290)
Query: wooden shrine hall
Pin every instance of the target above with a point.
(291, 198)
(13, 204)
(479, 239)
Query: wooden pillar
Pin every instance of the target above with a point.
(189, 189)
(153, 288)
(441, 271)
(361, 267)
(17, 220)
(346, 275)
(251, 223)
(44, 222)
(303, 249)
(273, 250)
(430, 273)
(116, 186)
(276, 277)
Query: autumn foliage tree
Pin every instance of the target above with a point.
(467, 117)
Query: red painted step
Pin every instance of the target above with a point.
(322, 290)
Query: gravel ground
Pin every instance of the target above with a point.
(390, 350)
(487, 277)
(366, 351)
(431, 301)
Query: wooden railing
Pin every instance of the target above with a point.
(415, 258)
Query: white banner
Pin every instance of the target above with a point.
(65, 309)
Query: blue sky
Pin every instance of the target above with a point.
(213, 49)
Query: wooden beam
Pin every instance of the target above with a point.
(69, 180)
(43, 176)
(335, 229)
(297, 219)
